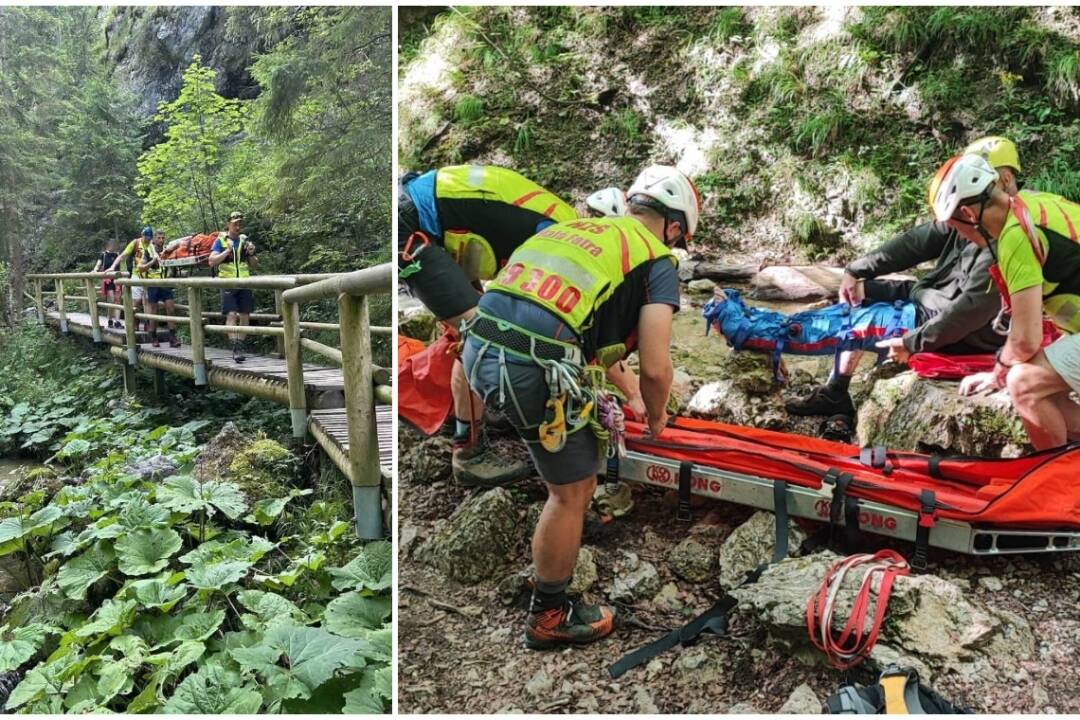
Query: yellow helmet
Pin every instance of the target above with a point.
(998, 151)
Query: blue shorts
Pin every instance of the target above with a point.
(159, 294)
(238, 301)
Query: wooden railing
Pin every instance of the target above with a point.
(364, 383)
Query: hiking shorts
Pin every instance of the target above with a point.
(138, 292)
(1064, 356)
(159, 294)
(580, 457)
(238, 301)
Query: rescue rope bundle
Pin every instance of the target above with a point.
(856, 640)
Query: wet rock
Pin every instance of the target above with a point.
(930, 622)
(472, 545)
(692, 561)
(803, 701)
(745, 394)
(794, 283)
(155, 467)
(751, 544)
(418, 323)
(635, 580)
(726, 273)
(702, 286)
(909, 413)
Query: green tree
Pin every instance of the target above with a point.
(179, 179)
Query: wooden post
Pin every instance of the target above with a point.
(60, 306)
(159, 383)
(290, 319)
(129, 377)
(278, 301)
(130, 323)
(95, 322)
(360, 415)
(198, 348)
(40, 302)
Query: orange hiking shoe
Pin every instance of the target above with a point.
(571, 624)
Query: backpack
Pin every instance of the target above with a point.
(897, 692)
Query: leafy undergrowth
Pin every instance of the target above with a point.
(158, 592)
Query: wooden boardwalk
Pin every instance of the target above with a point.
(260, 376)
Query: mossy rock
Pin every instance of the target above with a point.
(44, 479)
(474, 544)
(263, 469)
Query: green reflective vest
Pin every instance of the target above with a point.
(236, 266)
(572, 268)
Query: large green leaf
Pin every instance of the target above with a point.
(310, 655)
(139, 513)
(371, 570)
(214, 691)
(217, 575)
(268, 608)
(265, 512)
(14, 529)
(373, 695)
(158, 593)
(354, 615)
(20, 644)
(184, 493)
(198, 626)
(143, 552)
(79, 573)
(111, 618)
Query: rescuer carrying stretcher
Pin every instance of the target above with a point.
(573, 301)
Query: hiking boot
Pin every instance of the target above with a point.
(238, 352)
(498, 423)
(479, 465)
(572, 624)
(174, 342)
(822, 401)
(156, 341)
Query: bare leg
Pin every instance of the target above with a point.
(849, 361)
(1070, 410)
(151, 308)
(230, 319)
(170, 309)
(557, 538)
(1034, 387)
(467, 404)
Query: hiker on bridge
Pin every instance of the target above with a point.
(109, 291)
(955, 303)
(234, 257)
(131, 253)
(149, 266)
(457, 226)
(574, 299)
(1034, 240)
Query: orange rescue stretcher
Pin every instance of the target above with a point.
(970, 505)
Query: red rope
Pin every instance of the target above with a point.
(855, 641)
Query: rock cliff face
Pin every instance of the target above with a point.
(149, 48)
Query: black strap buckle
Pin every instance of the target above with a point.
(683, 513)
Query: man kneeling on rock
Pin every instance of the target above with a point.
(1034, 239)
(575, 298)
(955, 303)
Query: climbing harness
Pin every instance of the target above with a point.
(856, 640)
(897, 692)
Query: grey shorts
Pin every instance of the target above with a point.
(1064, 356)
(580, 457)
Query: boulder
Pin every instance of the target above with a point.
(692, 561)
(472, 545)
(726, 273)
(418, 323)
(427, 461)
(795, 283)
(263, 468)
(155, 467)
(745, 394)
(751, 544)
(682, 387)
(635, 580)
(702, 286)
(906, 412)
(931, 623)
(802, 701)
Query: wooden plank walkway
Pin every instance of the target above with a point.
(331, 425)
(324, 386)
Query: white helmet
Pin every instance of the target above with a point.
(671, 189)
(609, 201)
(960, 180)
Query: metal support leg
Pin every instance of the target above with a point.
(367, 504)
